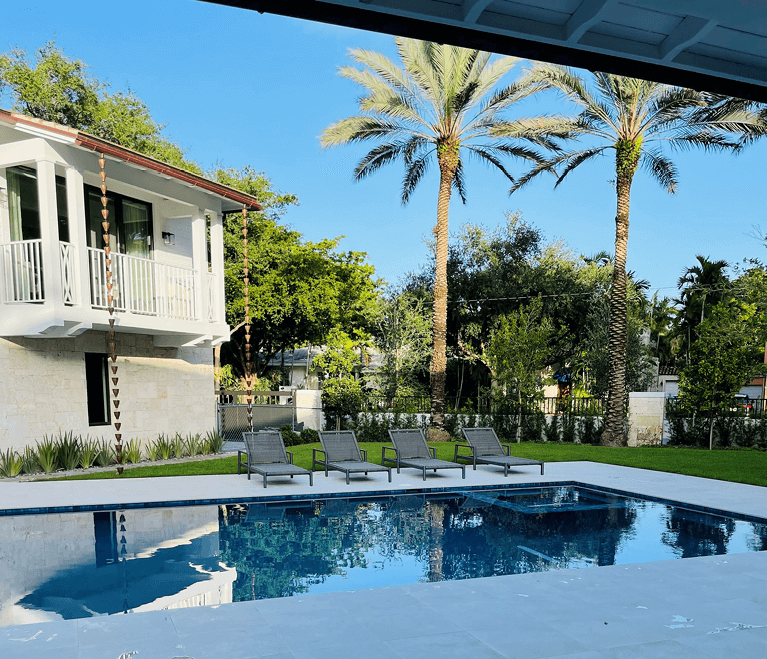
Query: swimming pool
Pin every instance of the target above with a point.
(70, 565)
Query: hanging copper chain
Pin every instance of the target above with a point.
(111, 308)
(248, 378)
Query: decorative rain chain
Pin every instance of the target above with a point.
(248, 379)
(111, 308)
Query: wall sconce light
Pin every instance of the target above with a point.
(168, 238)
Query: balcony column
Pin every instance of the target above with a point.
(199, 263)
(77, 234)
(217, 264)
(49, 233)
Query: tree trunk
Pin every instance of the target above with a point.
(447, 156)
(626, 161)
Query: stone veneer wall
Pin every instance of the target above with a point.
(42, 388)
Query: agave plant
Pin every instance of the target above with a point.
(152, 450)
(132, 451)
(68, 450)
(47, 455)
(215, 441)
(178, 446)
(193, 444)
(164, 447)
(106, 454)
(10, 464)
(29, 464)
(89, 449)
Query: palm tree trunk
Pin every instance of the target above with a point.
(626, 161)
(448, 161)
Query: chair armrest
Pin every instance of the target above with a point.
(383, 455)
(457, 453)
(315, 451)
(507, 448)
(290, 457)
(364, 453)
(433, 452)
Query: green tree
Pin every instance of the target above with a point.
(56, 88)
(634, 118)
(726, 354)
(702, 285)
(438, 104)
(341, 392)
(402, 334)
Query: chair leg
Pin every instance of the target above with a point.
(347, 477)
(390, 475)
(311, 479)
(264, 480)
(424, 473)
(463, 472)
(541, 470)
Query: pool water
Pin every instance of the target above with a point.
(73, 565)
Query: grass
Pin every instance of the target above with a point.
(738, 466)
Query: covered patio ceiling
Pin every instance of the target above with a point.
(713, 45)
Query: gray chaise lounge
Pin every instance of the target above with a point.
(485, 448)
(266, 455)
(341, 452)
(411, 450)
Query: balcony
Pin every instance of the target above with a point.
(146, 292)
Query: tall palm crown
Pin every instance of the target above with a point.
(635, 119)
(440, 103)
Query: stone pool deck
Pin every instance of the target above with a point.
(698, 607)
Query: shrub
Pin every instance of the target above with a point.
(29, 464)
(532, 427)
(193, 445)
(590, 431)
(569, 428)
(47, 455)
(289, 437)
(11, 464)
(152, 450)
(309, 436)
(177, 446)
(551, 429)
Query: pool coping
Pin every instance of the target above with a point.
(83, 508)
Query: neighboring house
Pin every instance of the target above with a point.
(168, 273)
(668, 383)
(301, 374)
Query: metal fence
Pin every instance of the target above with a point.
(752, 408)
(486, 405)
(267, 412)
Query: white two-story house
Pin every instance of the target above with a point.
(166, 236)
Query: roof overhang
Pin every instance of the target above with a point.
(84, 140)
(710, 45)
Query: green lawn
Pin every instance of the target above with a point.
(743, 466)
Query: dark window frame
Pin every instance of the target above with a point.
(97, 394)
(117, 222)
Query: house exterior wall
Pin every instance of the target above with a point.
(43, 388)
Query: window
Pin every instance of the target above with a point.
(97, 388)
(130, 223)
(24, 204)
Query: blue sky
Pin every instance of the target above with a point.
(241, 88)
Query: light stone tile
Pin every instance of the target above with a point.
(457, 645)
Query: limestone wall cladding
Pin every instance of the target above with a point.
(43, 388)
(646, 412)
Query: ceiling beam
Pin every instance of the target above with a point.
(691, 30)
(585, 17)
(472, 10)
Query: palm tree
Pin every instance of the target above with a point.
(635, 118)
(439, 103)
(700, 284)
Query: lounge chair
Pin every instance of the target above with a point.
(484, 448)
(411, 450)
(341, 452)
(266, 455)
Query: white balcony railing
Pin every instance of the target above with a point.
(68, 263)
(23, 271)
(143, 286)
(210, 297)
